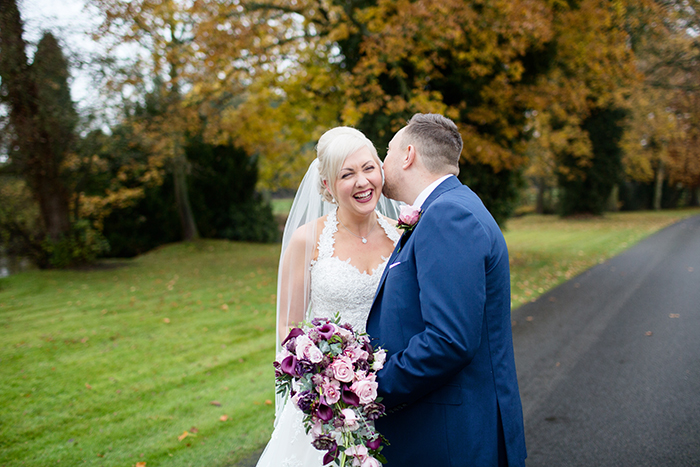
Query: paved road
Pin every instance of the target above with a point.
(609, 362)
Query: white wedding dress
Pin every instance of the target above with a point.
(336, 286)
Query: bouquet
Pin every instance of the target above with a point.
(330, 373)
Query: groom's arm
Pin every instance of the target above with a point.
(451, 250)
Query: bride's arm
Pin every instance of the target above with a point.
(294, 282)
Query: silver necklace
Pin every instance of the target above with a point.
(364, 239)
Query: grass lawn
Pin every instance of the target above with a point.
(110, 367)
(547, 250)
(281, 206)
(165, 359)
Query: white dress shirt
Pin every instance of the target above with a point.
(428, 190)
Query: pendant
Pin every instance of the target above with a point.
(364, 240)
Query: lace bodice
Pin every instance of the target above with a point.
(338, 286)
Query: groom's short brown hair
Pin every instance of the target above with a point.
(437, 140)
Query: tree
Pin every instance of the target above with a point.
(588, 191)
(587, 77)
(466, 60)
(203, 58)
(660, 137)
(41, 117)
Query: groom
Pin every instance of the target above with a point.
(442, 312)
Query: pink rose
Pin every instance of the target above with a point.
(351, 423)
(305, 348)
(355, 353)
(331, 391)
(342, 369)
(357, 451)
(366, 389)
(344, 333)
(379, 360)
(370, 462)
(409, 215)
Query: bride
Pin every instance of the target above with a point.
(337, 240)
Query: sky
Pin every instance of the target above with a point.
(70, 24)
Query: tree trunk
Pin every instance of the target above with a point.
(539, 207)
(182, 198)
(659, 185)
(54, 206)
(694, 196)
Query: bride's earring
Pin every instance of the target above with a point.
(329, 192)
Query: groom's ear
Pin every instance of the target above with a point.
(409, 157)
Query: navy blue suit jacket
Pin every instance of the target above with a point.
(442, 312)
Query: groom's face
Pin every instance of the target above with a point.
(392, 167)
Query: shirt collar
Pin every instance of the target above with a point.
(428, 190)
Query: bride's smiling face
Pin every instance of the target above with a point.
(359, 182)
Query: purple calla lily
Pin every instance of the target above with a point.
(350, 397)
(326, 331)
(289, 365)
(293, 333)
(324, 412)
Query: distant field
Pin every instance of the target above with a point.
(165, 359)
(281, 206)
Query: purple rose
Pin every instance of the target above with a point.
(318, 321)
(304, 400)
(324, 443)
(303, 367)
(362, 365)
(374, 410)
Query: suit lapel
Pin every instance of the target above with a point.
(448, 184)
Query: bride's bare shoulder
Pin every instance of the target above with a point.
(313, 228)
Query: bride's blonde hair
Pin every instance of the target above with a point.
(333, 148)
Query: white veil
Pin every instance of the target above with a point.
(293, 280)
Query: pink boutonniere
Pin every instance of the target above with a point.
(408, 218)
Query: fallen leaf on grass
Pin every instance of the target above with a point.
(216, 403)
(194, 430)
(268, 402)
(87, 385)
(166, 320)
(185, 434)
(140, 464)
(223, 418)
